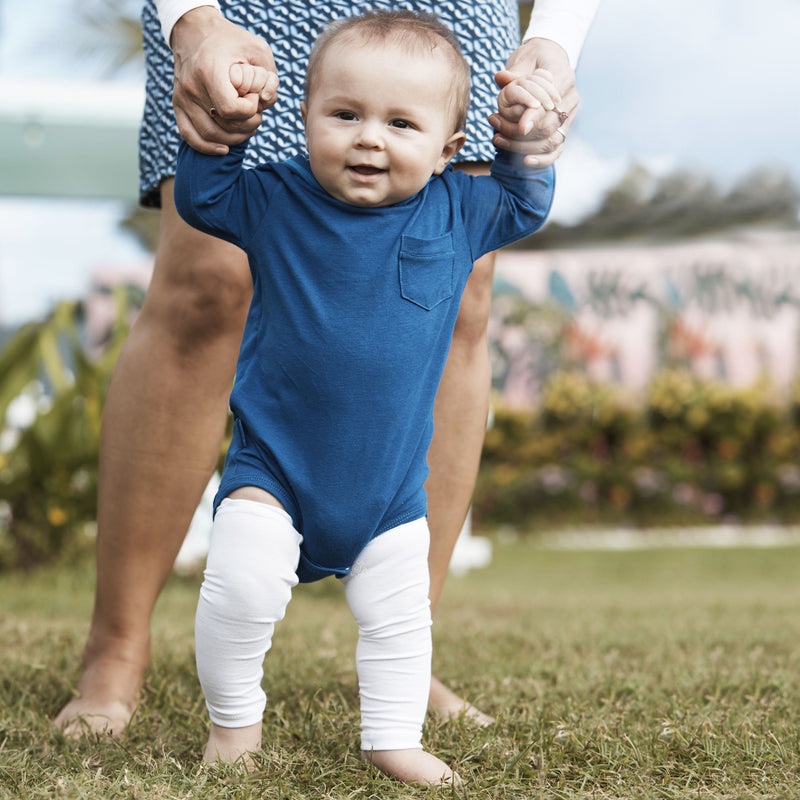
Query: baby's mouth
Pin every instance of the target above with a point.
(365, 169)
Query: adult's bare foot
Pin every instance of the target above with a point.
(105, 699)
(85, 715)
(448, 704)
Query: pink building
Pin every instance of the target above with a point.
(727, 308)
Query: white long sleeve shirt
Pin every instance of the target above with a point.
(566, 22)
(170, 11)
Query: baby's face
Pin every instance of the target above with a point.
(379, 122)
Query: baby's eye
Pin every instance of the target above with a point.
(348, 116)
(401, 123)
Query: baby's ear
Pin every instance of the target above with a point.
(303, 110)
(451, 147)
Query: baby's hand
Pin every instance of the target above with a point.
(249, 79)
(530, 93)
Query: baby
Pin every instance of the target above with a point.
(359, 253)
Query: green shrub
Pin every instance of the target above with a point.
(48, 467)
(693, 452)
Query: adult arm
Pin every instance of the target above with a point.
(552, 42)
(210, 112)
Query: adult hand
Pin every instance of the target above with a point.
(534, 124)
(210, 111)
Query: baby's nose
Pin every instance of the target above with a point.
(370, 134)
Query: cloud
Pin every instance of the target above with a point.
(712, 84)
(582, 178)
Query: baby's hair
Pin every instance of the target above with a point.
(418, 32)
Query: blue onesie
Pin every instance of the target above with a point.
(348, 332)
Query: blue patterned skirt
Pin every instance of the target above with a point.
(487, 29)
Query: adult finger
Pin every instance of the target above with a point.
(209, 146)
(209, 134)
(545, 159)
(208, 82)
(536, 147)
(540, 153)
(545, 125)
(237, 116)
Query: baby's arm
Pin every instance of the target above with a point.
(515, 199)
(507, 205)
(214, 193)
(217, 195)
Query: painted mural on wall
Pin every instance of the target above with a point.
(726, 309)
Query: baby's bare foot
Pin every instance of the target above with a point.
(448, 704)
(412, 766)
(229, 745)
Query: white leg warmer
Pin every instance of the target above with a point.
(247, 585)
(387, 591)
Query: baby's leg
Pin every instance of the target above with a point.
(387, 591)
(247, 585)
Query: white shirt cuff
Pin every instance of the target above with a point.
(566, 22)
(170, 11)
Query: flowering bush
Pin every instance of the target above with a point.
(693, 452)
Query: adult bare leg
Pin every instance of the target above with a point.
(162, 430)
(460, 414)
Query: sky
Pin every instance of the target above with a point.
(705, 86)
(709, 86)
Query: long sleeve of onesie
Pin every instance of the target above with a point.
(216, 195)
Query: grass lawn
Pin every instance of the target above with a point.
(647, 674)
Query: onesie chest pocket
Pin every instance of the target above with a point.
(426, 269)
